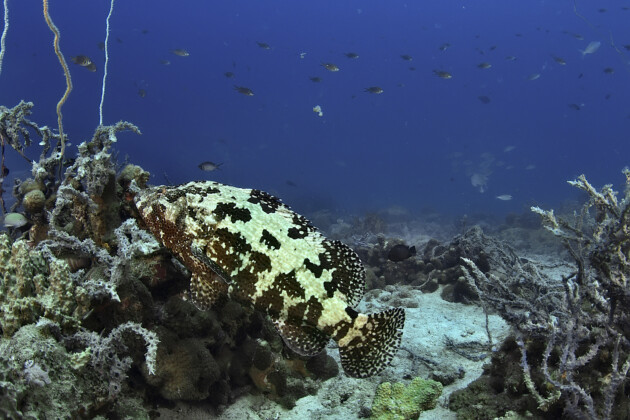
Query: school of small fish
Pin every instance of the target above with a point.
(478, 180)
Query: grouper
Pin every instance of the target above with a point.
(247, 245)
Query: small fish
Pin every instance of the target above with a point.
(533, 76)
(14, 220)
(315, 79)
(243, 90)
(165, 62)
(609, 70)
(509, 149)
(559, 60)
(228, 74)
(504, 197)
(444, 46)
(484, 65)
(5, 171)
(142, 93)
(180, 52)
(401, 252)
(209, 166)
(443, 74)
(264, 45)
(101, 46)
(374, 89)
(484, 99)
(330, 67)
(318, 110)
(351, 55)
(510, 58)
(84, 61)
(406, 57)
(77, 263)
(145, 31)
(302, 54)
(591, 48)
(627, 47)
(575, 107)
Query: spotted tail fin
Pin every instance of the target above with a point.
(371, 343)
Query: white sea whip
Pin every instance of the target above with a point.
(100, 107)
(4, 32)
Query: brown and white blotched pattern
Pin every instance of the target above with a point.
(248, 245)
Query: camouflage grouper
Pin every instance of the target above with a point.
(249, 246)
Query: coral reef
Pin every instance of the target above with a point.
(399, 402)
(91, 302)
(440, 264)
(572, 332)
(31, 287)
(499, 390)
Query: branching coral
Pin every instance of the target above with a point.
(105, 351)
(88, 199)
(582, 319)
(31, 287)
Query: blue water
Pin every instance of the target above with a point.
(416, 145)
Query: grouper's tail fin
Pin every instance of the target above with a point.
(371, 343)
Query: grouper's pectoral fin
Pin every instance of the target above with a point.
(304, 340)
(201, 256)
(206, 289)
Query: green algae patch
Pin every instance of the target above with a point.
(400, 402)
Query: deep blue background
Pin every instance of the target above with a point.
(416, 145)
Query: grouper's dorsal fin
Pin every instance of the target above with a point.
(304, 340)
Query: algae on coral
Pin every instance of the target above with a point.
(399, 402)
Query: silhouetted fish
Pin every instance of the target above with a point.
(180, 52)
(330, 66)
(209, 166)
(374, 89)
(243, 90)
(401, 252)
(443, 74)
(84, 61)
